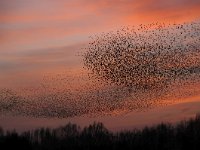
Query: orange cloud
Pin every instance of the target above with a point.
(25, 24)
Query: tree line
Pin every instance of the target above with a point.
(165, 136)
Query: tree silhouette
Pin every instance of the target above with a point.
(184, 135)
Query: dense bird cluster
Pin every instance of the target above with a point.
(133, 68)
(147, 58)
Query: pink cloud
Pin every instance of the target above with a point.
(25, 24)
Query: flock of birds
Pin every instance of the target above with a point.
(151, 57)
(133, 68)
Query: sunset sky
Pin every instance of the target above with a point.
(40, 37)
(28, 26)
(39, 28)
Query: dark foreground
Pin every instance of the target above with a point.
(185, 135)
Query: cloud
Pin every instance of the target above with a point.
(26, 23)
(41, 58)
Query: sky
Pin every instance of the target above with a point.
(27, 25)
(42, 37)
(40, 27)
